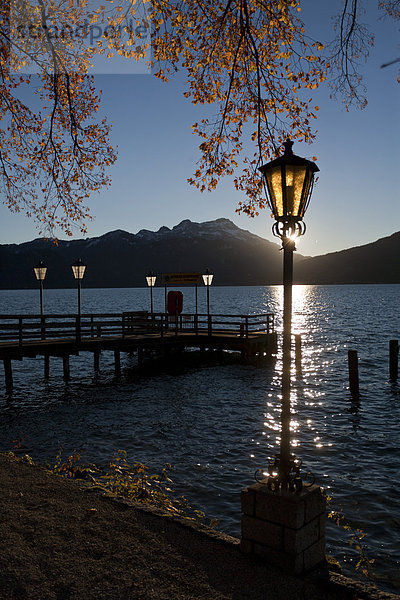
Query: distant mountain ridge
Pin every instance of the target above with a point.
(122, 259)
(376, 262)
(235, 256)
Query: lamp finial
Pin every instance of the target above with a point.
(288, 147)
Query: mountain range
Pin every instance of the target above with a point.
(234, 255)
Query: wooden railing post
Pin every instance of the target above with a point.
(78, 329)
(196, 324)
(92, 326)
(123, 327)
(20, 331)
(247, 326)
(162, 325)
(43, 327)
(210, 325)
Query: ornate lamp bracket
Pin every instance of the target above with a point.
(288, 229)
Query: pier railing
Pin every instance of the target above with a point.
(25, 329)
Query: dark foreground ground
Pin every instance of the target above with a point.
(62, 541)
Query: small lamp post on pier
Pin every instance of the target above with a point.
(40, 272)
(281, 505)
(151, 282)
(207, 280)
(78, 269)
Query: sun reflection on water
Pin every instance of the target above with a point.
(306, 395)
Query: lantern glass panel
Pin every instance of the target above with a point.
(207, 279)
(40, 273)
(79, 271)
(274, 184)
(151, 280)
(294, 183)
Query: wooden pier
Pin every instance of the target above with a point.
(150, 334)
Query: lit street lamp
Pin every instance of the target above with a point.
(40, 272)
(78, 269)
(289, 181)
(207, 280)
(151, 282)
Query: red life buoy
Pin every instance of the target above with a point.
(174, 303)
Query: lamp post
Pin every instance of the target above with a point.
(207, 280)
(78, 269)
(151, 282)
(40, 271)
(289, 180)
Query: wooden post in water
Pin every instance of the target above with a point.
(20, 332)
(393, 359)
(46, 366)
(353, 373)
(66, 367)
(297, 345)
(117, 362)
(8, 374)
(140, 356)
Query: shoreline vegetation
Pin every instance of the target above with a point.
(67, 534)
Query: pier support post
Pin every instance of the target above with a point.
(297, 345)
(353, 373)
(8, 374)
(96, 360)
(117, 362)
(46, 366)
(140, 356)
(393, 359)
(286, 529)
(66, 367)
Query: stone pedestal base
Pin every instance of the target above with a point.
(286, 529)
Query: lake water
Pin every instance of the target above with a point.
(217, 424)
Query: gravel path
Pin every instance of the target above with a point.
(61, 541)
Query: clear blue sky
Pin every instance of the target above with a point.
(356, 200)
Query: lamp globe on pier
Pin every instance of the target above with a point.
(207, 280)
(78, 269)
(151, 282)
(40, 271)
(289, 181)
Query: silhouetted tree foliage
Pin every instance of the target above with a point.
(253, 60)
